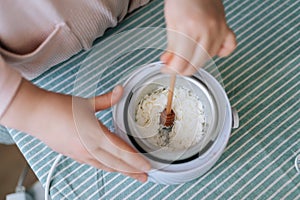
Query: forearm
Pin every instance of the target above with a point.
(22, 108)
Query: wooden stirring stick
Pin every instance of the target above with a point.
(170, 94)
(167, 116)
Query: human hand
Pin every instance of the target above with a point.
(195, 27)
(68, 125)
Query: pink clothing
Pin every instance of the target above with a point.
(38, 34)
(9, 83)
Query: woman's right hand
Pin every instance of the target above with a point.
(196, 31)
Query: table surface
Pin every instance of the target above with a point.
(261, 79)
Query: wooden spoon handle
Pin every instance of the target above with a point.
(170, 94)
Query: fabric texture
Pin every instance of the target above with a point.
(261, 79)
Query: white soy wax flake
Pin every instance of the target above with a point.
(189, 124)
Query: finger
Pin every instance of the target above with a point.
(228, 45)
(166, 57)
(169, 53)
(95, 163)
(181, 48)
(122, 150)
(142, 177)
(107, 100)
(117, 154)
(114, 164)
(104, 146)
(184, 51)
(200, 56)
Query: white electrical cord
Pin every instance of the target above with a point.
(20, 192)
(47, 186)
(297, 163)
(58, 157)
(20, 187)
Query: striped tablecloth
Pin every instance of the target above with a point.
(261, 79)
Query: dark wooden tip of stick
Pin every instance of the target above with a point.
(167, 119)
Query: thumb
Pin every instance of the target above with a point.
(109, 99)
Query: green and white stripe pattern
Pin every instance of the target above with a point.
(261, 79)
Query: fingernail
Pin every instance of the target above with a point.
(117, 89)
(146, 167)
(142, 178)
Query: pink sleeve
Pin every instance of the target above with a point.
(9, 83)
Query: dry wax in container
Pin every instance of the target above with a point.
(190, 123)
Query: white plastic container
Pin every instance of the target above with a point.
(185, 165)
